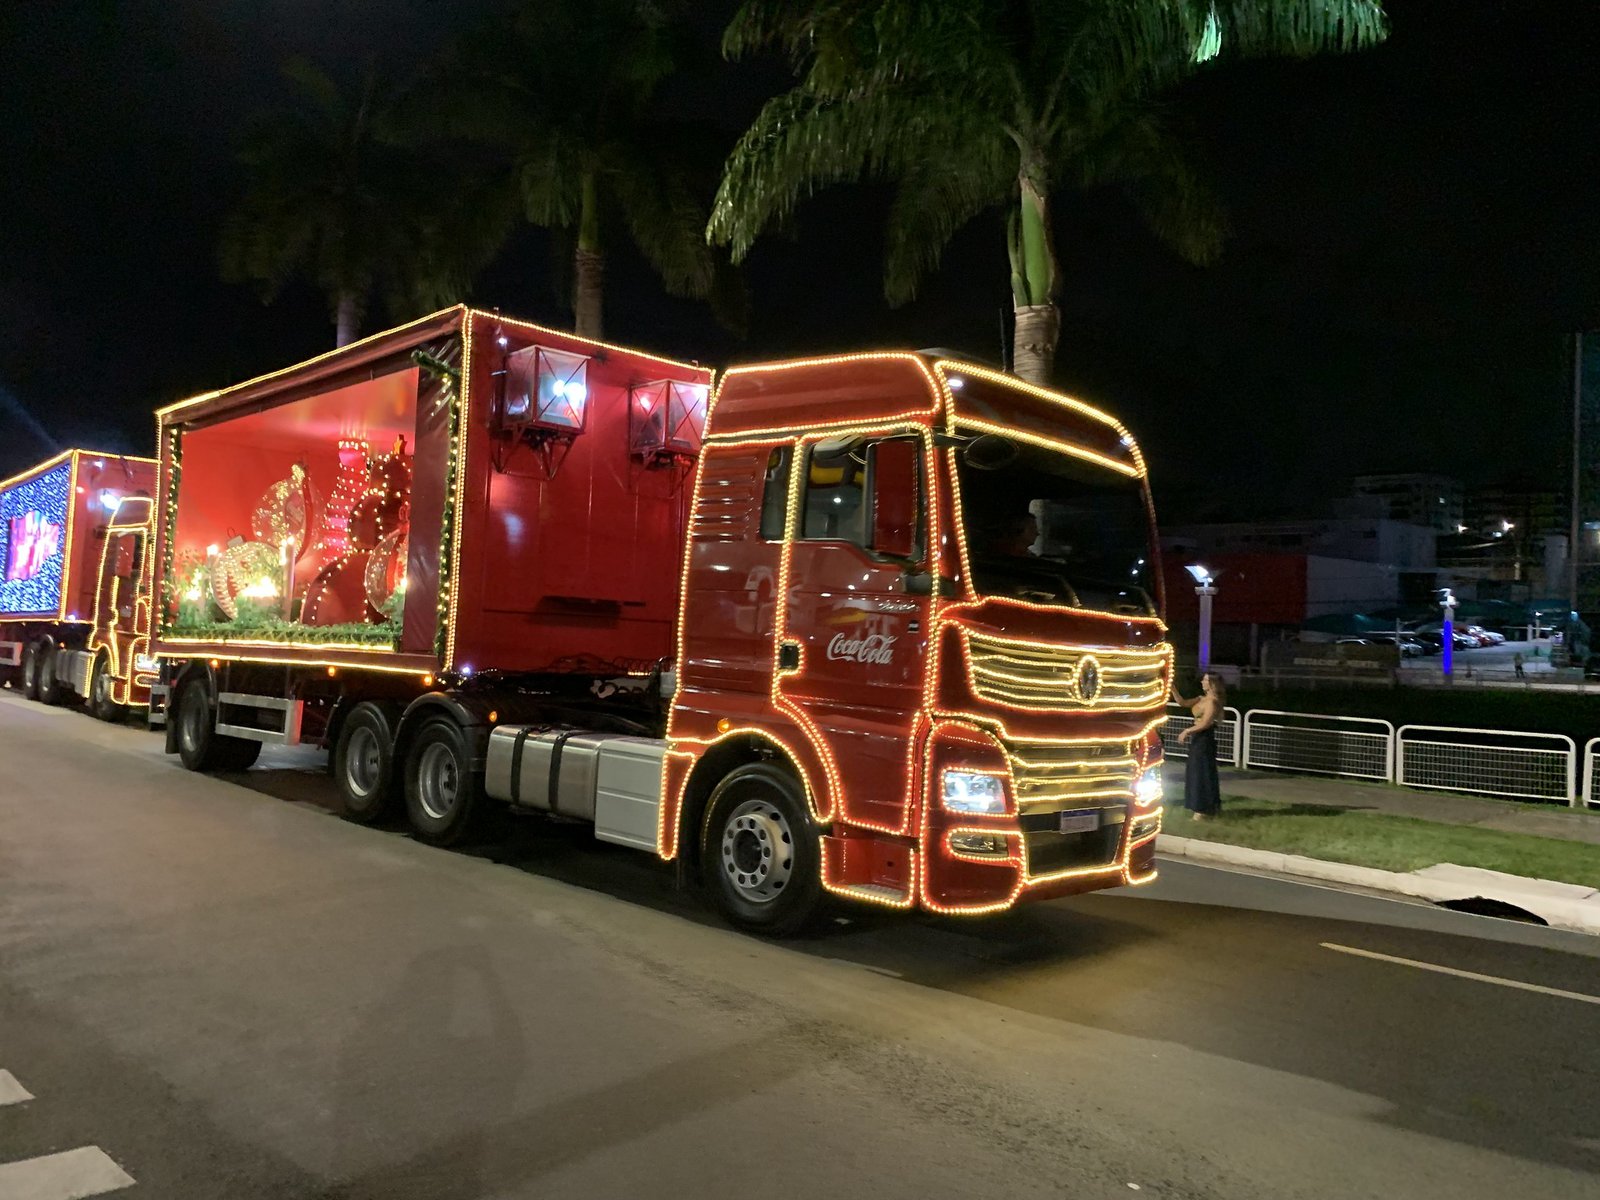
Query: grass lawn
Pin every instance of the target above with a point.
(1385, 841)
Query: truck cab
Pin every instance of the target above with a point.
(920, 647)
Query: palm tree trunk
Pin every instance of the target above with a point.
(589, 263)
(345, 319)
(1033, 283)
(1033, 342)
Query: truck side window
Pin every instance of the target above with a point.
(836, 489)
(775, 499)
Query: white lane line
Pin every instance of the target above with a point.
(12, 1092)
(70, 1175)
(1460, 974)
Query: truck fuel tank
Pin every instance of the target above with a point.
(611, 780)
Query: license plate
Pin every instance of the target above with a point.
(1072, 822)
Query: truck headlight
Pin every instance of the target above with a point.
(1147, 791)
(144, 662)
(974, 792)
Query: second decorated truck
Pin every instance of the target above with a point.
(74, 593)
(877, 626)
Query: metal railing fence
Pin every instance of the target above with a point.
(1487, 762)
(1319, 744)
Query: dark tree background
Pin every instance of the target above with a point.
(1416, 232)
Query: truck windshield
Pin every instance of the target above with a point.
(1055, 529)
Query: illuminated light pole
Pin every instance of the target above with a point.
(1447, 634)
(1206, 590)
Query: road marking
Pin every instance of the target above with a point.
(1460, 974)
(12, 1092)
(70, 1175)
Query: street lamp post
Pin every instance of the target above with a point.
(1447, 633)
(1206, 590)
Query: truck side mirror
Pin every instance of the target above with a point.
(894, 474)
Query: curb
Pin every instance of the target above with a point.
(1577, 909)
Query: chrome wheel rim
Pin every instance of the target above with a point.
(102, 687)
(363, 762)
(438, 781)
(757, 851)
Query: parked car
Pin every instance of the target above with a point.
(1409, 646)
(1431, 643)
(1488, 637)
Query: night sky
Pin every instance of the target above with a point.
(1416, 234)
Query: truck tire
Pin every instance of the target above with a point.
(761, 857)
(102, 705)
(443, 794)
(363, 764)
(52, 688)
(200, 746)
(32, 656)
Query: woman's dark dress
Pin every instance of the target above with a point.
(1201, 793)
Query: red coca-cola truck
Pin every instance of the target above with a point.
(880, 626)
(74, 608)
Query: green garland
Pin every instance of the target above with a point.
(450, 381)
(174, 474)
(262, 627)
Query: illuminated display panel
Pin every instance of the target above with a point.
(281, 511)
(33, 541)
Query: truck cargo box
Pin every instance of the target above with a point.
(462, 494)
(52, 524)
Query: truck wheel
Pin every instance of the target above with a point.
(101, 702)
(442, 793)
(363, 764)
(761, 859)
(200, 746)
(52, 688)
(32, 657)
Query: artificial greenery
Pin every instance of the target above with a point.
(170, 534)
(272, 628)
(448, 379)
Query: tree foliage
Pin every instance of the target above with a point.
(340, 192)
(563, 101)
(970, 105)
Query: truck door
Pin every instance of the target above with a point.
(854, 638)
(119, 585)
(736, 537)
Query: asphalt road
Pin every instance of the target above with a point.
(221, 991)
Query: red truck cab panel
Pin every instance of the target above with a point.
(876, 675)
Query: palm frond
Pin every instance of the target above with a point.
(1293, 27)
(663, 217)
(932, 203)
(1141, 148)
(800, 143)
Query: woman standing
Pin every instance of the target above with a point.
(1201, 793)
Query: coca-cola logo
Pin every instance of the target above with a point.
(876, 648)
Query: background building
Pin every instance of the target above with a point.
(1416, 498)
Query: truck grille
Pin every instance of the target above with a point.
(1033, 675)
(1054, 777)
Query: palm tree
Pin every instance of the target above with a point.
(972, 105)
(564, 96)
(339, 193)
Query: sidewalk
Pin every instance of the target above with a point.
(1496, 857)
(1445, 808)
